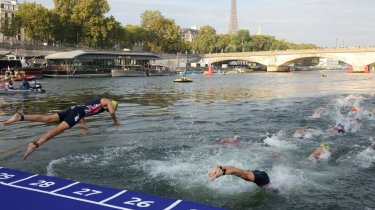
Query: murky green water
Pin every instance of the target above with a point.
(168, 139)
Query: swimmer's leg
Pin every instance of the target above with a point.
(49, 135)
(54, 118)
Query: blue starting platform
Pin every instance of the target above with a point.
(24, 191)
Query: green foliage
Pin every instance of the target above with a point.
(205, 41)
(242, 41)
(85, 23)
(35, 19)
(164, 33)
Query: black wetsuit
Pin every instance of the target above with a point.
(72, 115)
(261, 178)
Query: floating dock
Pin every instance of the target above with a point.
(24, 191)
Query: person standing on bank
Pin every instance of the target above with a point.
(67, 119)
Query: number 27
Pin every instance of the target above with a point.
(87, 192)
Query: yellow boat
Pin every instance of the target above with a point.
(183, 79)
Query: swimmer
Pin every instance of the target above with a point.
(339, 128)
(319, 112)
(356, 109)
(373, 145)
(260, 178)
(229, 140)
(302, 134)
(67, 119)
(321, 153)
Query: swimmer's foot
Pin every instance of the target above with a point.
(15, 118)
(30, 149)
(216, 172)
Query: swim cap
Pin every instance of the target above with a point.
(324, 146)
(114, 104)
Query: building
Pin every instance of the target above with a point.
(80, 63)
(8, 9)
(188, 34)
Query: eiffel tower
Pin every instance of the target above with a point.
(233, 24)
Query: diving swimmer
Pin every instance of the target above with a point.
(260, 178)
(67, 119)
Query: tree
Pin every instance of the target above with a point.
(35, 20)
(164, 31)
(135, 36)
(5, 27)
(223, 43)
(205, 41)
(242, 40)
(69, 31)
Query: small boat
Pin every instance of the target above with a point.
(28, 77)
(183, 79)
(130, 71)
(37, 88)
(19, 91)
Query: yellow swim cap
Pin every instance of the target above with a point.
(324, 146)
(114, 104)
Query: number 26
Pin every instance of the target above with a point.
(138, 202)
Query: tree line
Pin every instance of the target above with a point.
(83, 23)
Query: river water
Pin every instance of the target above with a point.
(169, 131)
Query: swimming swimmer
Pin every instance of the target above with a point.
(373, 144)
(339, 128)
(319, 112)
(260, 178)
(229, 140)
(321, 153)
(67, 119)
(302, 134)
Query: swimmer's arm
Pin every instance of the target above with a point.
(85, 130)
(111, 110)
(244, 174)
(115, 121)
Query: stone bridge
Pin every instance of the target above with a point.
(359, 59)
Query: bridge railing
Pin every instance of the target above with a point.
(291, 51)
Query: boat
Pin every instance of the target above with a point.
(190, 72)
(80, 63)
(183, 79)
(19, 78)
(37, 88)
(159, 70)
(323, 74)
(130, 71)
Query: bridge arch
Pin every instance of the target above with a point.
(286, 61)
(254, 60)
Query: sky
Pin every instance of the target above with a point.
(326, 23)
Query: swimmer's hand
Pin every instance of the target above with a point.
(215, 173)
(30, 149)
(117, 124)
(84, 130)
